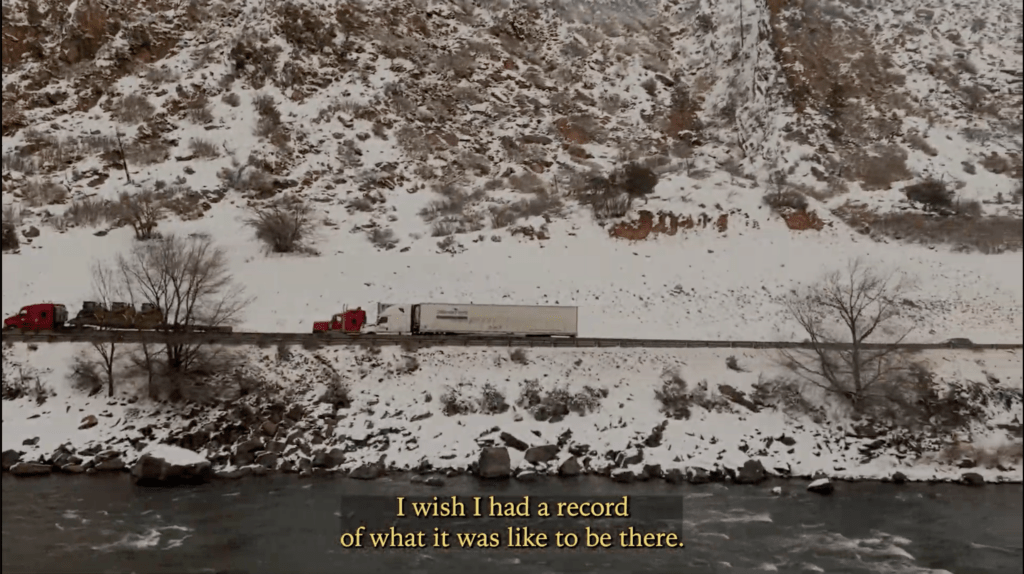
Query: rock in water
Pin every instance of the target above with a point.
(165, 465)
(821, 486)
(368, 471)
(494, 463)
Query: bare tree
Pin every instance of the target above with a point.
(189, 279)
(105, 289)
(839, 315)
(141, 211)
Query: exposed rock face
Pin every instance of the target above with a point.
(539, 454)
(152, 470)
(494, 463)
(752, 472)
(698, 476)
(675, 476)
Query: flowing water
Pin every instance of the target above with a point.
(290, 525)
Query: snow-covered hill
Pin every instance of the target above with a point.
(404, 124)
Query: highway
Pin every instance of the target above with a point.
(318, 340)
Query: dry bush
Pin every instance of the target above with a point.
(784, 198)
(255, 60)
(732, 363)
(133, 109)
(9, 238)
(453, 204)
(12, 214)
(85, 376)
(38, 192)
(580, 129)
(269, 124)
(932, 193)
(557, 402)
(25, 164)
(203, 148)
(674, 397)
(361, 203)
(90, 212)
(199, 110)
(383, 238)
(453, 403)
(161, 75)
(232, 99)
(986, 235)
(303, 28)
(142, 153)
(519, 356)
(409, 364)
(635, 180)
(918, 142)
(492, 401)
(337, 394)
(877, 167)
(283, 226)
(247, 177)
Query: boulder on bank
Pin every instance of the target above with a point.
(969, 478)
(537, 454)
(494, 463)
(821, 486)
(675, 476)
(11, 458)
(899, 478)
(165, 465)
(571, 467)
(513, 442)
(368, 471)
(752, 472)
(30, 469)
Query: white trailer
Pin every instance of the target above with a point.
(461, 319)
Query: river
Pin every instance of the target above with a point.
(286, 524)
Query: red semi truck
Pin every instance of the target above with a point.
(457, 319)
(38, 317)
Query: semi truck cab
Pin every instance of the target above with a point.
(393, 319)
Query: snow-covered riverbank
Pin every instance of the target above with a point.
(345, 409)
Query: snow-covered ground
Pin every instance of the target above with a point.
(366, 137)
(400, 414)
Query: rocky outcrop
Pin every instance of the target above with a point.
(972, 479)
(513, 442)
(494, 463)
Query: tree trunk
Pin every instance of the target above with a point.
(110, 370)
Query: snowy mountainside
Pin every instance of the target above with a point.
(448, 150)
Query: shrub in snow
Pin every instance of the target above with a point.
(23, 383)
(141, 211)
(673, 396)
(492, 401)
(232, 99)
(337, 395)
(85, 376)
(453, 403)
(519, 356)
(10, 239)
(529, 394)
(133, 109)
(409, 364)
(282, 226)
(204, 149)
(38, 192)
(932, 193)
(786, 198)
(383, 238)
